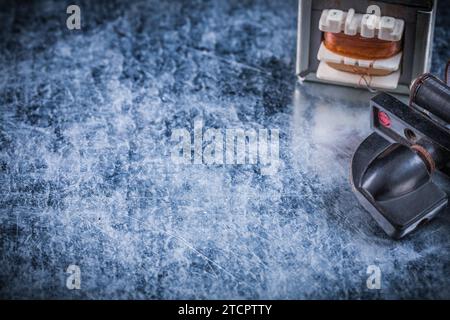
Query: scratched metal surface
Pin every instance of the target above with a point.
(86, 177)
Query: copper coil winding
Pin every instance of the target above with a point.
(358, 47)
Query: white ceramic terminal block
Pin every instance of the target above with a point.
(368, 25)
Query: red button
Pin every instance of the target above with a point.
(384, 119)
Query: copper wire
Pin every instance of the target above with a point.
(358, 47)
(426, 156)
(368, 71)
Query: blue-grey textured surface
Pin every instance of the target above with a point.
(86, 176)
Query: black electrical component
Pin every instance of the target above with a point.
(392, 169)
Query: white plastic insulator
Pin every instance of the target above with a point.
(390, 28)
(332, 20)
(351, 25)
(369, 25)
(374, 9)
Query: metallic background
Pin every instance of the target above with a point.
(86, 178)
